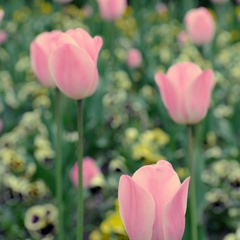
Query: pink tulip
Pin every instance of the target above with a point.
(186, 92)
(200, 25)
(3, 36)
(134, 58)
(1, 14)
(112, 9)
(73, 64)
(40, 50)
(153, 203)
(90, 171)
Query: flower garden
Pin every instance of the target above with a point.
(119, 120)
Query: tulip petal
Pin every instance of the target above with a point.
(98, 41)
(74, 175)
(65, 39)
(39, 61)
(200, 25)
(85, 41)
(164, 163)
(182, 74)
(90, 170)
(40, 50)
(171, 97)
(111, 10)
(47, 40)
(137, 209)
(162, 182)
(174, 214)
(73, 71)
(198, 96)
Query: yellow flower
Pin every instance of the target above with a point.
(45, 7)
(44, 155)
(128, 11)
(34, 190)
(140, 151)
(40, 220)
(147, 137)
(97, 181)
(160, 136)
(21, 14)
(30, 169)
(112, 225)
(118, 164)
(95, 235)
(131, 134)
(34, 218)
(42, 101)
(12, 160)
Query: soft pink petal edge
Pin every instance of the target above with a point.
(162, 182)
(171, 97)
(174, 214)
(39, 62)
(85, 41)
(137, 209)
(73, 71)
(198, 96)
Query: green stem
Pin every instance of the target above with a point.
(112, 41)
(59, 166)
(193, 207)
(80, 179)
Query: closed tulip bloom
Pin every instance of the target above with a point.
(90, 172)
(73, 64)
(200, 25)
(186, 92)
(112, 9)
(153, 203)
(40, 50)
(134, 58)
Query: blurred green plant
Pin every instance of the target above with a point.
(126, 124)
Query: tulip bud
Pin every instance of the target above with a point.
(186, 92)
(111, 9)
(200, 25)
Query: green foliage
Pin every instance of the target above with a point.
(126, 99)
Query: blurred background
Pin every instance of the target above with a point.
(126, 124)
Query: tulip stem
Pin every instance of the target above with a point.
(59, 165)
(193, 208)
(80, 178)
